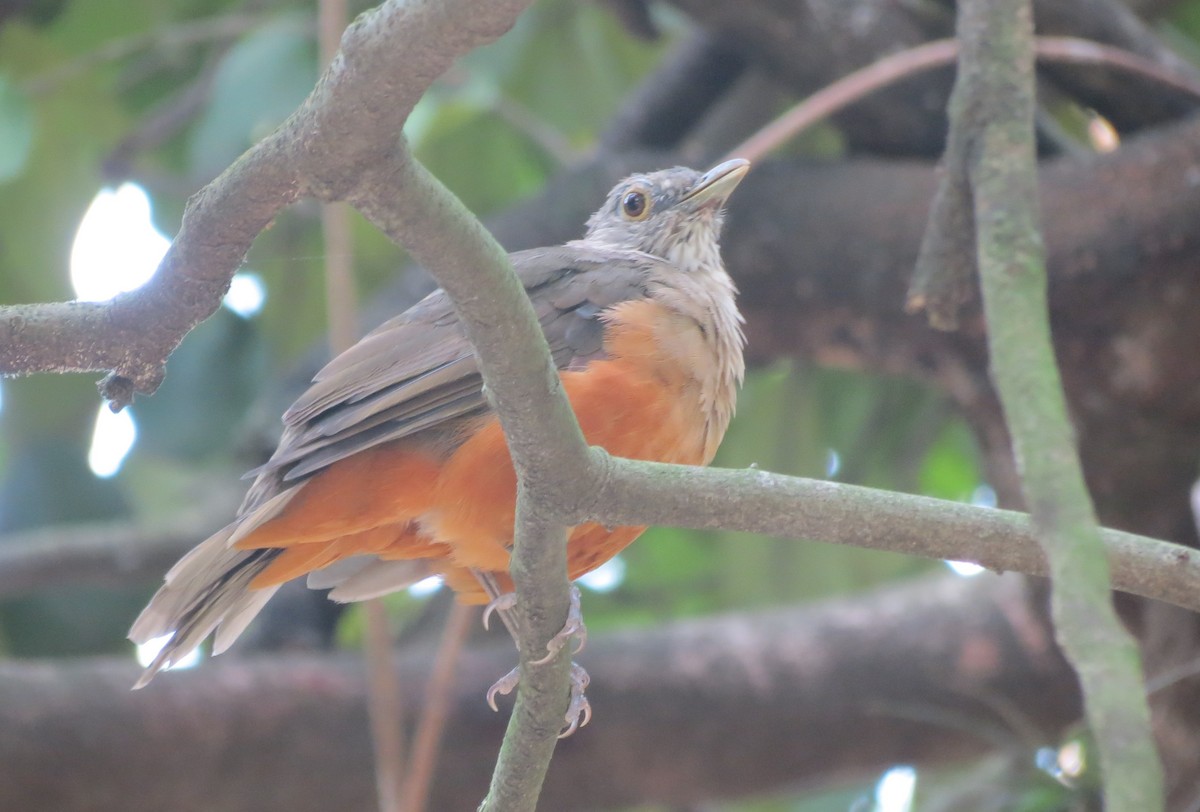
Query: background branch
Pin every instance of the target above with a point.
(99, 553)
(834, 689)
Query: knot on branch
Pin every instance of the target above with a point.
(118, 390)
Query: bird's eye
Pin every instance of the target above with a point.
(635, 205)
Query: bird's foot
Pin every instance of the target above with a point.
(573, 629)
(579, 710)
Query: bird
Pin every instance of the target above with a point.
(392, 465)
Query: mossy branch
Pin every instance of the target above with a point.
(992, 145)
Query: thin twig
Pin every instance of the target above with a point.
(170, 37)
(940, 53)
(439, 697)
(384, 707)
(548, 138)
(341, 302)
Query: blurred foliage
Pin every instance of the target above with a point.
(94, 92)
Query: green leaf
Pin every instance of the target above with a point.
(16, 130)
(515, 166)
(950, 469)
(258, 84)
(528, 65)
(211, 380)
(77, 125)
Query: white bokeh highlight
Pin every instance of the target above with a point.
(426, 586)
(112, 440)
(896, 790)
(117, 248)
(246, 295)
(606, 577)
(146, 652)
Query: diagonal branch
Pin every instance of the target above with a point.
(351, 120)
(544, 440)
(898, 67)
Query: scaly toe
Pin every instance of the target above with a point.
(573, 629)
(503, 686)
(579, 711)
(501, 604)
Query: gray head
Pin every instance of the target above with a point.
(675, 213)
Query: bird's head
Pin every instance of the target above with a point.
(674, 214)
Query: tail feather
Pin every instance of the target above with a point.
(179, 585)
(206, 589)
(378, 578)
(239, 615)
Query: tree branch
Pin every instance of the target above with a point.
(897, 67)
(103, 553)
(765, 701)
(812, 44)
(791, 507)
(992, 114)
(543, 438)
(350, 121)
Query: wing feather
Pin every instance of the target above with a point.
(416, 374)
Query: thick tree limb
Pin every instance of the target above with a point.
(1121, 252)
(104, 553)
(925, 673)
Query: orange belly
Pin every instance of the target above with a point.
(400, 501)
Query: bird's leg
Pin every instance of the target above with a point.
(579, 710)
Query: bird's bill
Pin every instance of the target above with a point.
(715, 185)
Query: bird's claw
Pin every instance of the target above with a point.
(501, 604)
(573, 629)
(503, 687)
(579, 710)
